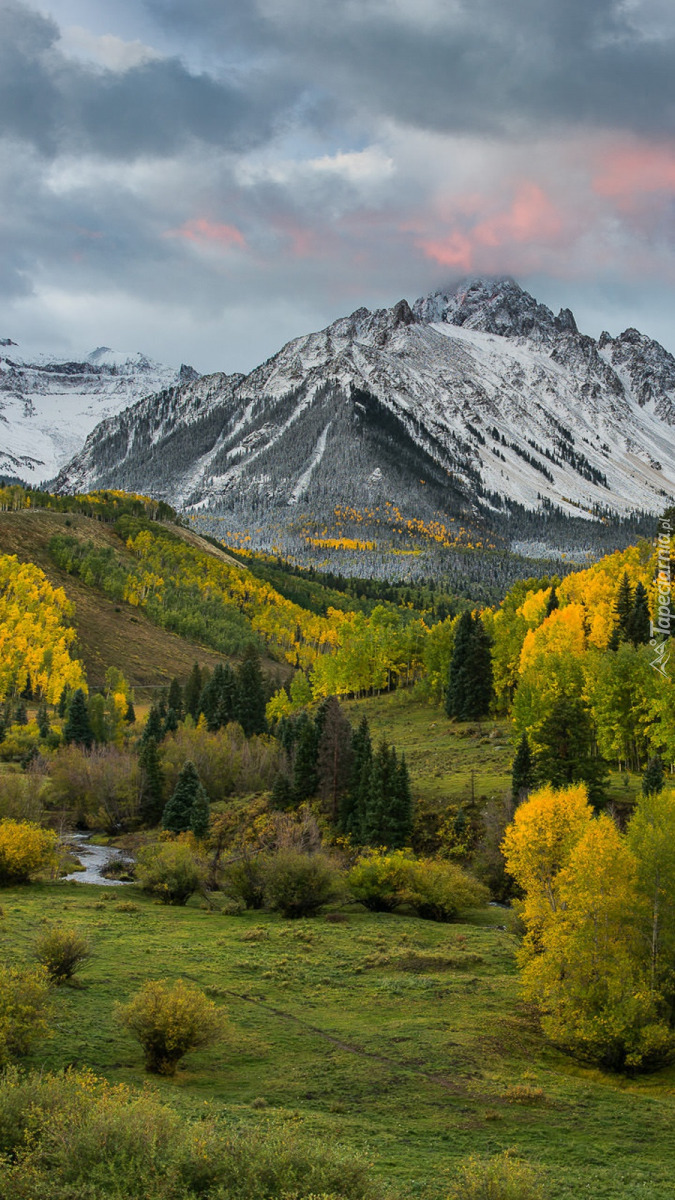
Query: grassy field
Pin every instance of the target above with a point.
(443, 755)
(404, 1039)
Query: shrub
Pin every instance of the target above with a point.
(61, 952)
(26, 850)
(440, 890)
(73, 1135)
(498, 1178)
(298, 884)
(376, 879)
(24, 1008)
(170, 870)
(244, 881)
(169, 1021)
(120, 868)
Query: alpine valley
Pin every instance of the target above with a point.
(475, 418)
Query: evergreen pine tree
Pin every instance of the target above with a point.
(200, 813)
(623, 608)
(522, 772)
(354, 801)
(130, 714)
(175, 698)
(21, 713)
(77, 729)
(334, 756)
(282, 792)
(151, 792)
(382, 776)
(470, 689)
(552, 603)
(43, 725)
(305, 779)
(154, 726)
(208, 701)
(193, 691)
(64, 700)
(566, 749)
(638, 629)
(400, 816)
(177, 814)
(227, 699)
(653, 778)
(251, 694)
(171, 722)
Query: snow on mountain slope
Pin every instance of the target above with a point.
(48, 406)
(474, 399)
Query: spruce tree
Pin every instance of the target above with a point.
(21, 713)
(175, 698)
(470, 689)
(154, 726)
(305, 779)
(130, 714)
(566, 753)
(177, 816)
(193, 691)
(171, 722)
(522, 773)
(151, 797)
(227, 698)
(334, 756)
(77, 729)
(623, 608)
(552, 603)
(200, 813)
(400, 815)
(382, 780)
(282, 792)
(354, 801)
(653, 779)
(251, 694)
(639, 620)
(43, 725)
(64, 700)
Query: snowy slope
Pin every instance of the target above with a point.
(48, 406)
(471, 398)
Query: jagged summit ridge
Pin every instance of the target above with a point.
(473, 398)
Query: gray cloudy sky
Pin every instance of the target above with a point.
(203, 179)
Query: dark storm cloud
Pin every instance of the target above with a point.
(61, 105)
(471, 66)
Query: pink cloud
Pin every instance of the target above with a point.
(530, 219)
(633, 170)
(201, 230)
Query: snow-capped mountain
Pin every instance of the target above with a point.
(471, 400)
(48, 406)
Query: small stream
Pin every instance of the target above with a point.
(93, 858)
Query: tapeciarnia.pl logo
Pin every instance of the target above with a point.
(661, 627)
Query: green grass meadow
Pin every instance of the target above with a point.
(400, 1038)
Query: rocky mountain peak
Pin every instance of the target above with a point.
(498, 306)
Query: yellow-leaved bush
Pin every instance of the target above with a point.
(26, 850)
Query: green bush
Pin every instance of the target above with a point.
(61, 952)
(169, 1021)
(172, 871)
(26, 850)
(297, 884)
(435, 889)
(24, 1008)
(72, 1136)
(498, 1178)
(244, 881)
(376, 879)
(438, 891)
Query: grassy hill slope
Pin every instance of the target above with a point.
(402, 1038)
(108, 633)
